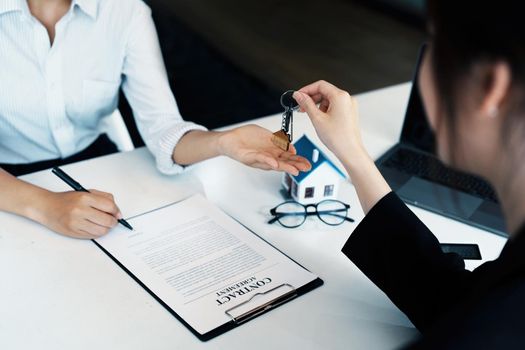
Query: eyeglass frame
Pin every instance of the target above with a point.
(277, 216)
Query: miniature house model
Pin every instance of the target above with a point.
(320, 183)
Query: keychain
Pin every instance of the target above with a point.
(284, 137)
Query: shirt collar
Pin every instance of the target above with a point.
(89, 7)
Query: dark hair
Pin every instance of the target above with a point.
(467, 32)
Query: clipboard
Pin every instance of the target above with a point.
(237, 313)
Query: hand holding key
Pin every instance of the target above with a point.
(335, 116)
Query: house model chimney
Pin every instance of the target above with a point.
(315, 155)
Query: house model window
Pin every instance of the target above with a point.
(329, 190)
(309, 192)
(320, 183)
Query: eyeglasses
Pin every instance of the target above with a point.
(292, 214)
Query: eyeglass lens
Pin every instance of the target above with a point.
(332, 212)
(290, 214)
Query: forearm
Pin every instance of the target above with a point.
(196, 146)
(366, 178)
(20, 197)
(397, 252)
(403, 258)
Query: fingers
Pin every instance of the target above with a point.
(285, 161)
(89, 222)
(84, 229)
(104, 202)
(307, 104)
(101, 218)
(84, 215)
(300, 163)
(321, 87)
(101, 215)
(91, 230)
(264, 158)
(320, 92)
(288, 168)
(281, 166)
(317, 98)
(324, 105)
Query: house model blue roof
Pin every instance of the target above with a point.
(305, 148)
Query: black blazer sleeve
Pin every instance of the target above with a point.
(402, 257)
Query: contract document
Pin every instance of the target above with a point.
(208, 270)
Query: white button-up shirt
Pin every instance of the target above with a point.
(53, 97)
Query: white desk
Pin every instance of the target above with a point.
(61, 293)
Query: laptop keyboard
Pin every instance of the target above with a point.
(430, 168)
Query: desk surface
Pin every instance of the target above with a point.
(61, 293)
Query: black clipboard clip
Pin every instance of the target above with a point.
(256, 311)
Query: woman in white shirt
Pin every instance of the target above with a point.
(62, 63)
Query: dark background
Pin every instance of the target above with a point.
(229, 61)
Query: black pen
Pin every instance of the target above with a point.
(78, 187)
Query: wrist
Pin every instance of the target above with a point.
(222, 140)
(37, 207)
(354, 158)
(196, 146)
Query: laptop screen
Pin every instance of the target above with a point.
(416, 130)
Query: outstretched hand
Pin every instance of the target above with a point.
(252, 145)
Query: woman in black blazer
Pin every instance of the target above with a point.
(472, 82)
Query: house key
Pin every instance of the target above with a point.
(284, 137)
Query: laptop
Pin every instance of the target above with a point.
(414, 172)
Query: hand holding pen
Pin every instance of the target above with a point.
(79, 214)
